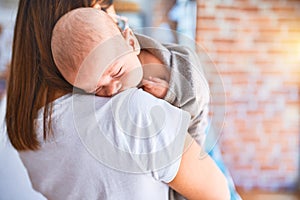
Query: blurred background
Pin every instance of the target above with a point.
(255, 48)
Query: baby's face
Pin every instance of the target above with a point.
(126, 72)
(113, 66)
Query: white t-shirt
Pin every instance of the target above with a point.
(124, 147)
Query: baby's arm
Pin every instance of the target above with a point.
(156, 86)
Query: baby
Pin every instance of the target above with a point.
(93, 54)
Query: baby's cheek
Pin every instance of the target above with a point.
(100, 94)
(133, 77)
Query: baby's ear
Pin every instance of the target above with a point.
(132, 40)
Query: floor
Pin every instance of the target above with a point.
(260, 195)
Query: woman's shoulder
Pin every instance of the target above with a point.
(146, 133)
(138, 114)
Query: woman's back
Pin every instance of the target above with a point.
(65, 167)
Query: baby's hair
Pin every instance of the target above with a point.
(76, 34)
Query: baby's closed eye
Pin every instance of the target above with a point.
(119, 73)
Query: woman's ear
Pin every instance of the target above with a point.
(131, 40)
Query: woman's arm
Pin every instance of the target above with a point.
(199, 178)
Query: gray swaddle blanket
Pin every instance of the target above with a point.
(188, 88)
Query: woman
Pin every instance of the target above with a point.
(41, 126)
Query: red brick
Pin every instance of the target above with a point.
(248, 167)
(277, 51)
(265, 40)
(289, 19)
(227, 41)
(261, 19)
(294, 30)
(206, 17)
(291, 82)
(259, 87)
(279, 9)
(226, 7)
(201, 5)
(234, 19)
(291, 168)
(250, 9)
(270, 30)
(205, 23)
(208, 29)
(264, 63)
(269, 167)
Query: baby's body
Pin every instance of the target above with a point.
(168, 72)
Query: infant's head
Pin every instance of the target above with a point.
(92, 54)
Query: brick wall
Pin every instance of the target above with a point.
(255, 45)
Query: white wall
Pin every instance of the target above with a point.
(7, 19)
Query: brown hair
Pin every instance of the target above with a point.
(33, 77)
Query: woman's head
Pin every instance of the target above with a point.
(33, 77)
(34, 25)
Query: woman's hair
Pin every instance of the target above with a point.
(33, 77)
